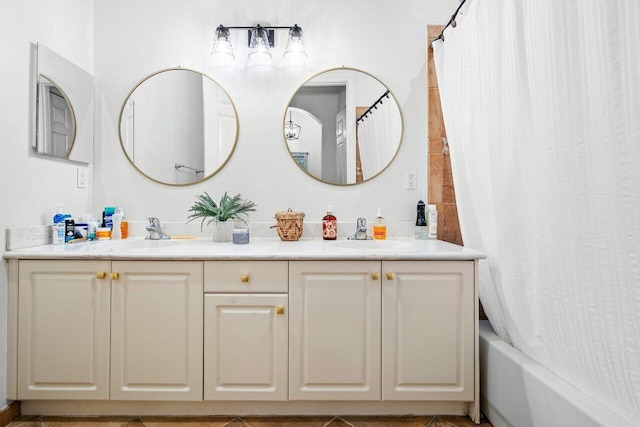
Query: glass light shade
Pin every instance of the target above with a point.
(259, 45)
(291, 129)
(295, 50)
(222, 49)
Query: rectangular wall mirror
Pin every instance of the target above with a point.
(62, 107)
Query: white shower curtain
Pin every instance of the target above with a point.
(541, 103)
(378, 137)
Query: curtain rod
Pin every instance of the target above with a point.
(452, 22)
(373, 106)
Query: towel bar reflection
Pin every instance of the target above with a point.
(178, 166)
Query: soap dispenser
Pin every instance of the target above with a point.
(379, 228)
(329, 225)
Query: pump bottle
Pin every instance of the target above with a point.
(379, 228)
(58, 228)
(329, 225)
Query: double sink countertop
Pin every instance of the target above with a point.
(257, 249)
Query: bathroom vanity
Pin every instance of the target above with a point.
(193, 327)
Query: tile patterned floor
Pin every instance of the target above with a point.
(321, 421)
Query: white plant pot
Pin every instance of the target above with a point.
(222, 231)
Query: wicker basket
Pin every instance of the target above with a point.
(289, 224)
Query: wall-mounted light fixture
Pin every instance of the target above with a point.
(260, 41)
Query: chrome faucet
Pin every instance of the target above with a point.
(361, 230)
(155, 230)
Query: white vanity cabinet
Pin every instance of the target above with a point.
(63, 339)
(334, 336)
(428, 330)
(246, 330)
(110, 330)
(396, 330)
(156, 330)
(270, 328)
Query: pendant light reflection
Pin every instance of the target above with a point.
(291, 129)
(222, 52)
(259, 45)
(295, 51)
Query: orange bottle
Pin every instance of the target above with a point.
(379, 228)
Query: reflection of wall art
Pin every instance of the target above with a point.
(302, 159)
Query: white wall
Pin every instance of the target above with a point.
(30, 185)
(386, 39)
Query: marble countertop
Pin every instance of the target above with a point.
(258, 249)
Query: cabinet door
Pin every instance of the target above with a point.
(334, 330)
(156, 336)
(245, 347)
(428, 330)
(63, 333)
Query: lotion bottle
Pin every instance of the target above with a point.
(116, 231)
(124, 224)
(58, 229)
(329, 225)
(379, 228)
(432, 221)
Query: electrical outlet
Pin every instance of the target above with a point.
(82, 176)
(410, 181)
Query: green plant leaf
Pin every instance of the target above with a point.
(227, 208)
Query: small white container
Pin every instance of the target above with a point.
(432, 222)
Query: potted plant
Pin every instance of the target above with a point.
(221, 214)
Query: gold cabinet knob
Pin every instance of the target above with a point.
(115, 276)
(244, 278)
(375, 275)
(390, 276)
(280, 309)
(101, 274)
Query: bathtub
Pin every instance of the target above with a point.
(516, 391)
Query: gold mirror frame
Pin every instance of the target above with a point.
(222, 164)
(286, 118)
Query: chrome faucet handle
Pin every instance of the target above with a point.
(154, 221)
(361, 230)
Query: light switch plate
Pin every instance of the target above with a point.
(82, 177)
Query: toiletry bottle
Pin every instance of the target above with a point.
(58, 229)
(421, 222)
(432, 221)
(116, 231)
(92, 226)
(379, 228)
(329, 225)
(69, 228)
(106, 216)
(124, 224)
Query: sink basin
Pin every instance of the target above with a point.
(369, 244)
(134, 244)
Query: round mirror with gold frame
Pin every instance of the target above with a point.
(343, 126)
(178, 127)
